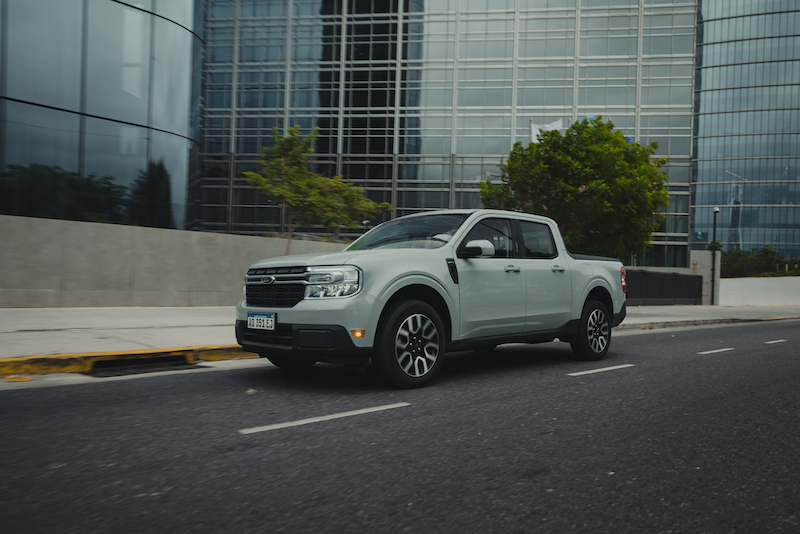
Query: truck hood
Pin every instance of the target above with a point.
(350, 257)
(332, 258)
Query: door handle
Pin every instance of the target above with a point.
(512, 269)
(558, 269)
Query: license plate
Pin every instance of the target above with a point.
(261, 321)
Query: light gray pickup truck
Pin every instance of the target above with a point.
(416, 287)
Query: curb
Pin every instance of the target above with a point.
(696, 322)
(13, 369)
(84, 362)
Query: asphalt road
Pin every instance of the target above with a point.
(670, 438)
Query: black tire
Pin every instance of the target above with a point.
(288, 363)
(410, 346)
(593, 338)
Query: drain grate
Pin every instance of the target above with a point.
(107, 368)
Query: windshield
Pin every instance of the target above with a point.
(429, 231)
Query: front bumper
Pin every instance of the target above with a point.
(322, 343)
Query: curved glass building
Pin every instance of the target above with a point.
(747, 125)
(99, 109)
(417, 101)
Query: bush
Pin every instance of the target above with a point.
(765, 261)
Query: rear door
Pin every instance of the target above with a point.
(492, 289)
(547, 278)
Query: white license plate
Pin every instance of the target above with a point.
(261, 321)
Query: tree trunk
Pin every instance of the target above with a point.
(290, 227)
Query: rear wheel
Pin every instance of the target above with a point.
(410, 346)
(594, 333)
(288, 363)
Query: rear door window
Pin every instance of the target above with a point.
(537, 240)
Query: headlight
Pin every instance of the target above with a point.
(340, 281)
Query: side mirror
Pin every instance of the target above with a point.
(478, 248)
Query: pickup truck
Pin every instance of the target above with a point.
(416, 287)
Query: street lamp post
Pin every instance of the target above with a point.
(714, 256)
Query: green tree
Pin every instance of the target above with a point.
(604, 192)
(311, 198)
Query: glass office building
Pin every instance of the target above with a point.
(417, 101)
(747, 125)
(99, 109)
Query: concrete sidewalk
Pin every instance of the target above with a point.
(47, 340)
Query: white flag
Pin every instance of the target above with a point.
(536, 128)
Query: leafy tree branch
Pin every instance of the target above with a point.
(604, 192)
(311, 198)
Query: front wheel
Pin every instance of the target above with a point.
(410, 346)
(594, 333)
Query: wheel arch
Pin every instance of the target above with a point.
(425, 294)
(600, 294)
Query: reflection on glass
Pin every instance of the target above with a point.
(94, 156)
(150, 198)
(114, 149)
(44, 50)
(172, 152)
(180, 11)
(51, 192)
(117, 67)
(40, 135)
(172, 78)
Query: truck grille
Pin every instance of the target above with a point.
(279, 296)
(287, 288)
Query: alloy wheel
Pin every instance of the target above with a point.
(417, 345)
(597, 330)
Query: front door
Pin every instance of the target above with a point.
(492, 288)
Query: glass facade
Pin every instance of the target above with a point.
(747, 125)
(417, 101)
(99, 109)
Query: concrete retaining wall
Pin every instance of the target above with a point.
(701, 266)
(783, 291)
(53, 263)
(50, 263)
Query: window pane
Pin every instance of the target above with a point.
(172, 77)
(118, 62)
(537, 240)
(44, 52)
(36, 135)
(115, 150)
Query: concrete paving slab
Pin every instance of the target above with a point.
(46, 331)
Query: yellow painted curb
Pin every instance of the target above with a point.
(17, 378)
(84, 362)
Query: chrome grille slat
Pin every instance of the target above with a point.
(288, 289)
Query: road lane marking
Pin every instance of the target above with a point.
(776, 341)
(601, 370)
(714, 351)
(322, 418)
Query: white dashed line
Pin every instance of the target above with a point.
(714, 351)
(321, 418)
(772, 342)
(601, 370)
